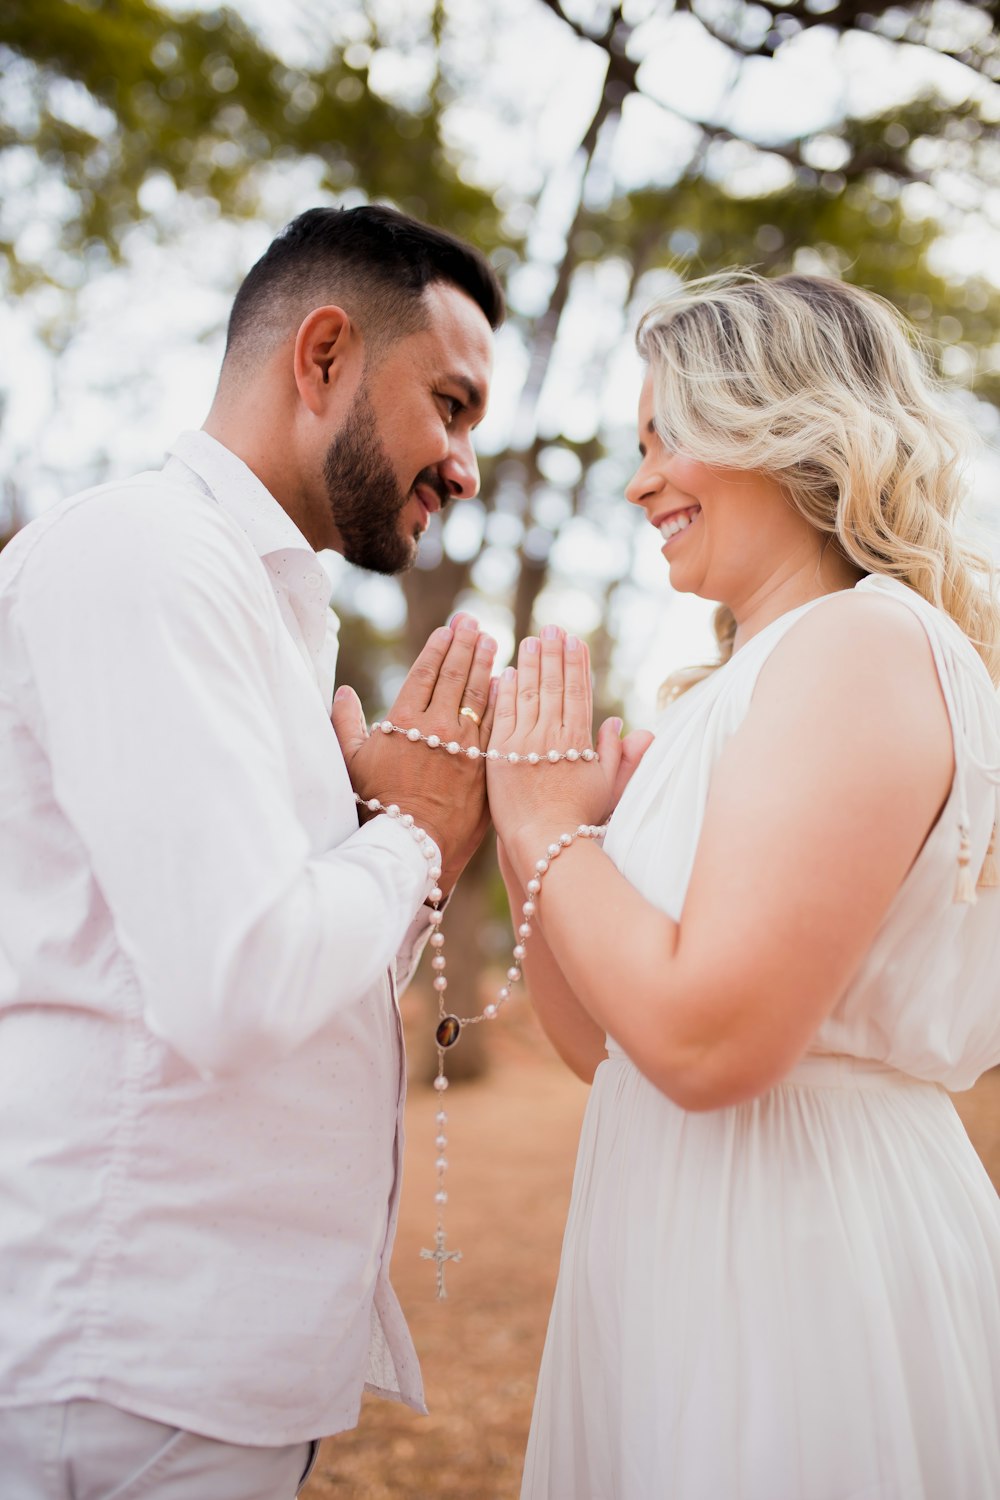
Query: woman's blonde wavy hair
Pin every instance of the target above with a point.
(823, 387)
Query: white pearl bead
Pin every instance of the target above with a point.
(493, 755)
(442, 1164)
(473, 752)
(386, 727)
(528, 909)
(435, 872)
(433, 741)
(589, 754)
(503, 994)
(436, 893)
(565, 839)
(392, 811)
(489, 1011)
(553, 850)
(572, 755)
(406, 820)
(438, 962)
(437, 939)
(524, 931)
(440, 1142)
(373, 804)
(453, 747)
(553, 756)
(513, 973)
(428, 849)
(513, 758)
(533, 757)
(436, 917)
(533, 887)
(440, 984)
(440, 1083)
(441, 1117)
(441, 1196)
(413, 734)
(541, 865)
(519, 951)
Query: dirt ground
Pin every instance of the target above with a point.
(514, 1138)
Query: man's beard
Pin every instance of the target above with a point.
(365, 499)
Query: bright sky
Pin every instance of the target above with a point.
(144, 354)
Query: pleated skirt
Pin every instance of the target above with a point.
(794, 1299)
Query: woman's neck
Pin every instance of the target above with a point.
(798, 581)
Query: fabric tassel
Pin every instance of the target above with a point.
(989, 875)
(965, 885)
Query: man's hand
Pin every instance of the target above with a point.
(445, 794)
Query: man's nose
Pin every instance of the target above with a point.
(460, 471)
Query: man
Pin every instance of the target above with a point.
(201, 1073)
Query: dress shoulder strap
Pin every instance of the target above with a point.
(974, 710)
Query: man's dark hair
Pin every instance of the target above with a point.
(373, 261)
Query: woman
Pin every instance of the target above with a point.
(781, 1272)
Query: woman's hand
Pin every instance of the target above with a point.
(547, 704)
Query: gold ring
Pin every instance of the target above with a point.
(470, 713)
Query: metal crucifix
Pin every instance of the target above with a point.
(440, 1255)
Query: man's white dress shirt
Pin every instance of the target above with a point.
(201, 1073)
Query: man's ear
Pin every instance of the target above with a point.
(326, 345)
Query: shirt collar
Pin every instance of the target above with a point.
(240, 493)
(294, 568)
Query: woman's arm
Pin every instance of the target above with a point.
(578, 1039)
(817, 808)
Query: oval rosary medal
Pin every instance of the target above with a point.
(448, 1031)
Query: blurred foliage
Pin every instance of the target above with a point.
(105, 96)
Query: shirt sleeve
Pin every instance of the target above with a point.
(150, 631)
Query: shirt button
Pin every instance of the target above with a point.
(314, 580)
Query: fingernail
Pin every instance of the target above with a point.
(494, 687)
(509, 674)
(487, 645)
(442, 635)
(467, 623)
(341, 692)
(572, 643)
(550, 632)
(618, 725)
(531, 645)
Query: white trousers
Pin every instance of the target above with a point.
(86, 1450)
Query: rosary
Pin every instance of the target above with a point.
(449, 1026)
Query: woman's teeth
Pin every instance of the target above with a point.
(675, 523)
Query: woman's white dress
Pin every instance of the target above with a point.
(797, 1298)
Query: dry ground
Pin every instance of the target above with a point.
(514, 1142)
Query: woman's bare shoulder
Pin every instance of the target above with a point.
(855, 637)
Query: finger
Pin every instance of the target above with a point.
(415, 694)
(486, 727)
(348, 722)
(634, 747)
(477, 688)
(453, 677)
(609, 748)
(550, 691)
(577, 710)
(504, 709)
(529, 662)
